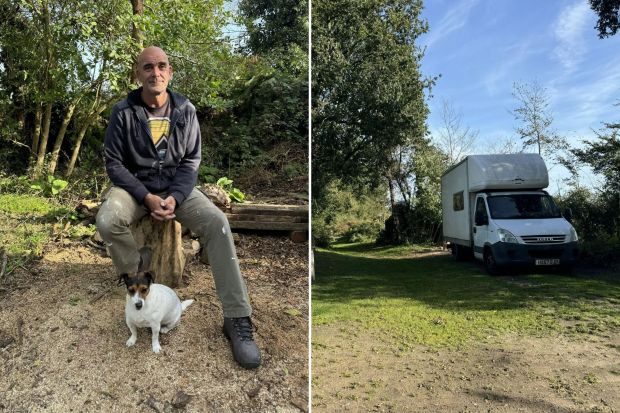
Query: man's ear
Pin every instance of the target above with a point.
(149, 276)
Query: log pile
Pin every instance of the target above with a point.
(268, 217)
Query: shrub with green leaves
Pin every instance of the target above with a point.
(50, 186)
(347, 215)
(234, 193)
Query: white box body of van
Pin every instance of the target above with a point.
(518, 221)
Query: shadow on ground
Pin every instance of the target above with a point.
(439, 281)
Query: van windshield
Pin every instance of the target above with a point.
(523, 206)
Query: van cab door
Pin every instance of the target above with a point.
(481, 226)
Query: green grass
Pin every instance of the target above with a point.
(28, 205)
(434, 300)
(25, 226)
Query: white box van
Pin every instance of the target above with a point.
(495, 207)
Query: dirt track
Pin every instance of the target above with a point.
(62, 338)
(356, 371)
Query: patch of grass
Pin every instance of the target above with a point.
(371, 250)
(28, 205)
(591, 378)
(434, 300)
(25, 226)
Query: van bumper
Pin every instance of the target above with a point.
(520, 254)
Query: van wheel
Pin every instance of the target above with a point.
(489, 262)
(457, 251)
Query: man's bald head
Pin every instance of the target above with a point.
(152, 51)
(154, 72)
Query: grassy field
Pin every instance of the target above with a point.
(410, 298)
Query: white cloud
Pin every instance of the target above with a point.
(569, 31)
(588, 98)
(452, 21)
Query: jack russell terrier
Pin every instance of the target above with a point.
(150, 305)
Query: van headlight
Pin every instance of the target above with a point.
(506, 236)
(573, 235)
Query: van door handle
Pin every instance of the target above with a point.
(474, 230)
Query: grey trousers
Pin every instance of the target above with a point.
(120, 209)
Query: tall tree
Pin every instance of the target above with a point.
(453, 138)
(368, 92)
(536, 119)
(608, 16)
(275, 25)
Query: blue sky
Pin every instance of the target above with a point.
(481, 47)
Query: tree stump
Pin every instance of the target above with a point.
(164, 240)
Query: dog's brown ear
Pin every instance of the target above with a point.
(150, 277)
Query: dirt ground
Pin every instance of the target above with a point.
(356, 371)
(62, 338)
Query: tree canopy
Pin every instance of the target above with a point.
(368, 92)
(608, 16)
(64, 64)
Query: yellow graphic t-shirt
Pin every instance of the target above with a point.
(160, 128)
(159, 125)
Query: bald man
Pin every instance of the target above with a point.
(152, 153)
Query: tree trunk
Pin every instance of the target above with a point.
(76, 147)
(43, 143)
(392, 195)
(136, 34)
(164, 240)
(38, 114)
(60, 137)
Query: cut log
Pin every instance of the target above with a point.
(268, 209)
(269, 226)
(164, 240)
(266, 218)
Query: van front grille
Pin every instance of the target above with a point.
(543, 239)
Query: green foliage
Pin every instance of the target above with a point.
(31, 205)
(368, 93)
(50, 186)
(248, 105)
(348, 215)
(595, 218)
(24, 226)
(234, 193)
(82, 231)
(265, 129)
(275, 26)
(596, 213)
(14, 184)
(415, 176)
(608, 12)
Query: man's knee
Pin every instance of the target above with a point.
(109, 221)
(216, 225)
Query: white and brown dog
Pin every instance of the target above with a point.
(150, 305)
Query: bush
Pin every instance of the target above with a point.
(601, 251)
(597, 222)
(346, 215)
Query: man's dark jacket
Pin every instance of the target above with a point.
(131, 158)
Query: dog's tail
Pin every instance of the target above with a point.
(186, 304)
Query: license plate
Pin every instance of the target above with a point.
(549, 261)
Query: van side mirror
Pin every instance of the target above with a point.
(568, 214)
